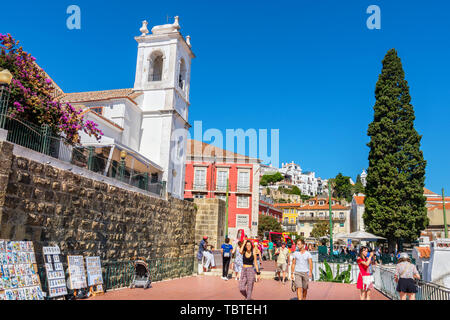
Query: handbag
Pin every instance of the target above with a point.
(367, 281)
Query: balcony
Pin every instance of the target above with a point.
(199, 187)
(243, 189)
(322, 218)
(222, 188)
(289, 227)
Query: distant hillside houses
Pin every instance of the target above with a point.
(306, 181)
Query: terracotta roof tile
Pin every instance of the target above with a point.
(75, 97)
(269, 205)
(426, 191)
(288, 204)
(424, 252)
(439, 206)
(359, 200)
(200, 148)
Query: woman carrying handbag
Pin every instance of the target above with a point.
(405, 275)
(365, 279)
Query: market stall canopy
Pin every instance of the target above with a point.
(362, 235)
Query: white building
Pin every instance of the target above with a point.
(363, 177)
(151, 119)
(305, 181)
(356, 213)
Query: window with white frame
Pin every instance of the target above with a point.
(200, 178)
(242, 202)
(321, 202)
(222, 176)
(243, 180)
(198, 196)
(341, 215)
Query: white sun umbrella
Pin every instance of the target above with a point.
(362, 235)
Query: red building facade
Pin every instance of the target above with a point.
(268, 209)
(208, 169)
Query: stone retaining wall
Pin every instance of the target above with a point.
(46, 204)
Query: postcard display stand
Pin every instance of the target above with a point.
(56, 277)
(94, 275)
(77, 274)
(19, 278)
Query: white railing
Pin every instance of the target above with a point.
(385, 283)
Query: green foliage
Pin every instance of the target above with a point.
(342, 188)
(394, 204)
(320, 229)
(327, 274)
(358, 188)
(305, 197)
(268, 223)
(270, 178)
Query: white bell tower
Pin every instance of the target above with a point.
(163, 76)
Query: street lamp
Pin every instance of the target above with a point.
(123, 155)
(5, 81)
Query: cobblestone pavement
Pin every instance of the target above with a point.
(214, 288)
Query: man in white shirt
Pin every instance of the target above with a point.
(302, 268)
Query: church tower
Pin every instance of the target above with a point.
(163, 71)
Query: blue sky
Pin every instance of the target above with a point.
(307, 68)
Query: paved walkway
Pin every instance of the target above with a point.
(214, 288)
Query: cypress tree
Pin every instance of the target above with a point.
(394, 203)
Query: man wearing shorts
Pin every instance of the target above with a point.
(283, 255)
(302, 268)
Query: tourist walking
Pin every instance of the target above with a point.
(365, 279)
(237, 264)
(405, 273)
(201, 249)
(226, 250)
(270, 248)
(248, 269)
(302, 269)
(282, 261)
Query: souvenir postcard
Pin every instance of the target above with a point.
(10, 295)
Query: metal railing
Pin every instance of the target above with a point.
(199, 186)
(242, 188)
(120, 274)
(309, 218)
(354, 269)
(384, 259)
(385, 283)
(41, 139)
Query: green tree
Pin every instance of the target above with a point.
(268, 223)
(320, 229)
(270, 178)
(342, 188)
(394, 203)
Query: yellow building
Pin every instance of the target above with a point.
(290, 214)
(301, 218)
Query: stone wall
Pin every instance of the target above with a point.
(210, 221)
(50, 205)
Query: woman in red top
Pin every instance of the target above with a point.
(363, 263)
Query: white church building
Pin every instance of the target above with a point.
(150, 120)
